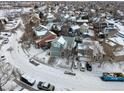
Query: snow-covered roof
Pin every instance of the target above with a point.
(120, 12)
(89, 32)
(80, 46)
(110, 43)
(73, 18)
(118, 40)
(92, 10)
(49, 16)
(85, 24)
(75, 27)
(61, 40)
(66, 16)
(40, 33)
(119, 53)
(41, 30)
(83, 21)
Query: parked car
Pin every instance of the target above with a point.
(3, 58)
(75, 65)
(69, 73)
(88, 66)
(45, 86)
(5, 41)
(114, 76)
(34, 62)
(82, 66)
(27, 79)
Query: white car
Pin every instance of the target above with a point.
(75, 65)
(34, 62)
(82, 66)
(27, 79)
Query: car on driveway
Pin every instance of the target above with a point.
(82, 66)
(75, 65)
(89, 66)
(45, 86)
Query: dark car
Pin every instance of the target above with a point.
(69, 73)
(5, 41)
(3, 58)
(88, 66)
(45, 86)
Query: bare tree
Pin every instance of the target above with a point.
(5, 73)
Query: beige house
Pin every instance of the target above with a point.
(113, 48)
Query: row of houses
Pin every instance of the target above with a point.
(77, 30)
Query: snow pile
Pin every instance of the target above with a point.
(62, 63)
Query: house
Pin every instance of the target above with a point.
(113, 48)
(90, 49)
(118, 55)
(43, 36)
(84, 50)
(56, 29)
(84, 27)
(50, 16)
(109, 31)
(40, 30)
(74, 29)
(82, 20)
(45, 40)
(64, 29)
(61, 45)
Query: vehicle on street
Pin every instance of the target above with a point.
(34, 62)
(45, 86)
(3, 58)
(70, 73)
(5, 41)
(113, 76)
(82, 66)
(88, 66)
(27, 79)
